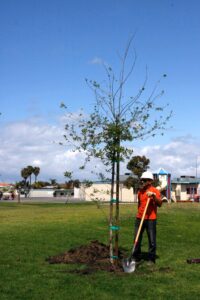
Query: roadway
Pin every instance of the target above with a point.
(47, 200)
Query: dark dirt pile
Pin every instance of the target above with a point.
(95, 255)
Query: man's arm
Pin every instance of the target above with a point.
(158, 200)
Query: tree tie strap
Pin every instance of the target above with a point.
(114, 257)
(113, 200)
(114, 227)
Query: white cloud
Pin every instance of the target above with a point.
(178, 157)
(96, 61)
(33, 143)
(37, 162)
(27, 143)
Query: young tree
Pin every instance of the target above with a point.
(116, 119)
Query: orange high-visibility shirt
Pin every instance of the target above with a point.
(151, 213)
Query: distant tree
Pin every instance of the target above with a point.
(131, 182)
(68, 174)
(40, 184)
(21, 184)
(76, 183)
(36, 171)
(71, 183)
(87, 183)
(138, 164)
(116, 119)
(53, 181)
(30, 172)
(25, 173)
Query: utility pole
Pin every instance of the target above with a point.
(197, 166)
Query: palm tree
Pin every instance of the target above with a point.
(30, 172)
(24, 173)
(36, 171)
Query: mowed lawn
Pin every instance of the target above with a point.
(29, 233)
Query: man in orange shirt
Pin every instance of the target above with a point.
(147, 190)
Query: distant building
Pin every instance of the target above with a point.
(100, 191)
(6, 185)
(185, 188)
(50, 192)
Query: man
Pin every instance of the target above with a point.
(147, 190)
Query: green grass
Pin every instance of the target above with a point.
(29, 233)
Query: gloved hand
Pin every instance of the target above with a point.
(149, 194)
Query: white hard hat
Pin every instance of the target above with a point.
(147, 175)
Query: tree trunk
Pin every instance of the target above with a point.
(111, 211)
(18, 197)
(117, 209)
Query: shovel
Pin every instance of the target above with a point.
(129, 264)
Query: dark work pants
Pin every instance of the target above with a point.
(150, 227)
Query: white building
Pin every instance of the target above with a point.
(100, 191)
(185, 188)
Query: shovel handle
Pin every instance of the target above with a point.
(141, 222)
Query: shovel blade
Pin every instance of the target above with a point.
(128, 265)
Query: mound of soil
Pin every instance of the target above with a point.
(95, 255)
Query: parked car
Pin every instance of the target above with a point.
(9, 195)
(6, 196)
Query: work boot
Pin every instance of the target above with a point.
(151, 263)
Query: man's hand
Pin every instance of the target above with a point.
(149, 194)
(158, 201)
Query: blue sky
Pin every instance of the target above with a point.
(48, 48)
